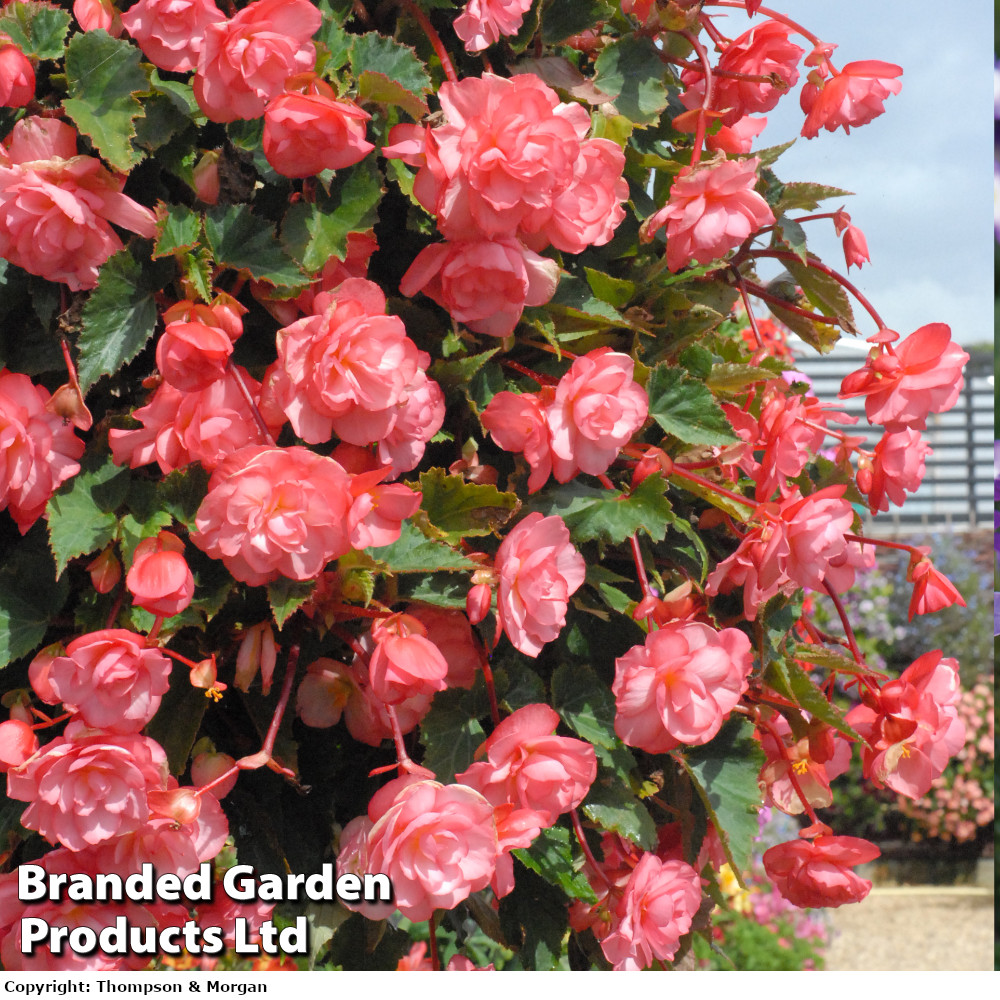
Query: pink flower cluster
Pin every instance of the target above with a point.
(580, 426)
(510, 172)
(57, 208)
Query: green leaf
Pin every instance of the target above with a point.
(686, 408)
(457, 509)
(441, 589)
(450, 737)
(81, 515)
(458, 373)
(287, 596)
(563, 18)
(132, 531)
(601, 580)
(788, 233)
(630, 72)
(616, 292)
(724, 772)
(198, 271)
(823, 656)
(692, 550)
(585, 704)
(732, 377)
(415, 553)
(788, 679)
(553, 855)
(103, 76)
(806, 196)
(37, 29)
(180, 230)
(592, 513)
(613, 806)
(518, 685)
(377, 88)
(118, 318)
(825, 293)
(180, 494)
(243, 241)
(380, 54)
(333, 38)
(313, 233)
(30, 595)
(535, 915)
(175, 727)
(821, 336)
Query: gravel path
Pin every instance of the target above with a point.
(914, 928)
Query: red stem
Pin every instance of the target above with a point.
(848, 631)
(154, 631)
(435, 957)
(880, 541)
(585, 847)
(792, 776)
(763, 293)
(746, 305)
(433, 37)
(254, 411)
(707, 484)
(706, 103)
(768, 12)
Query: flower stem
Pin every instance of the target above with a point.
(258, 419)
(706, 102)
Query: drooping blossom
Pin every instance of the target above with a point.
(92, 15)
(484, 22)
(932, 590)
(105, 571)
(258, 653)
(112, 678)
(88, 786)
(736, 139)
(159, 578)
(896, 467)
(516, 421)
(323, 693)
(345, 369)
(191, 356)
(654, 913)
(511, 161)
(449, 630)
(538, 570)
(530, 768)
(171, 32)
(17, 75)
(912, 727)
(484, 284)
(17, 743)
(596, 409)
(274, 512)
(905, 382)
(680, 685)
(404, 662)
(712, 210)
(437, 843)
(56, 208)
(818, 872)
(244, 61)
(38, 450)
(763, 51)
(209, 765)
(850, 98)
(307, 130)
(855, 247)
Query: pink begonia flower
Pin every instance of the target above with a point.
(191, 356)
(223, 911)
(451, 633)
(205, 177)
(112, 678)
(932, 590)
(596, 410)
(418, 418)
(405, 662)
(183, 427)
(307, 130)
(912, 727)
(855, 247)
(654, 913)
(323, 693)
(160, 580)
(484, 22)
(483, 284)
(437, 843)
(38, 450)
(417, 960)
(517, 423)
(17, 75)
(56, 207)
(850, 98)
(345, 369)
(799, 544)
(352, 857)
(712, 210)
(92, 15)
(245, 61)
(171, 32)
(905, 382)
(538, 570)
(105, 571)
(530, 768)
(88, 786)
(818, 872)
(679, 686)
(816, 759)
(736, 139)
(510, 162)
(17, 743)
(764, 50)
(274, 512)
(379, 509)
(895, 468)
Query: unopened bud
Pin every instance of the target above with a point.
(477, 602)
(17, 744)
(181, 805)
(67, 402)
(105, 571)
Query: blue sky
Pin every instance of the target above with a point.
(922, 172)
